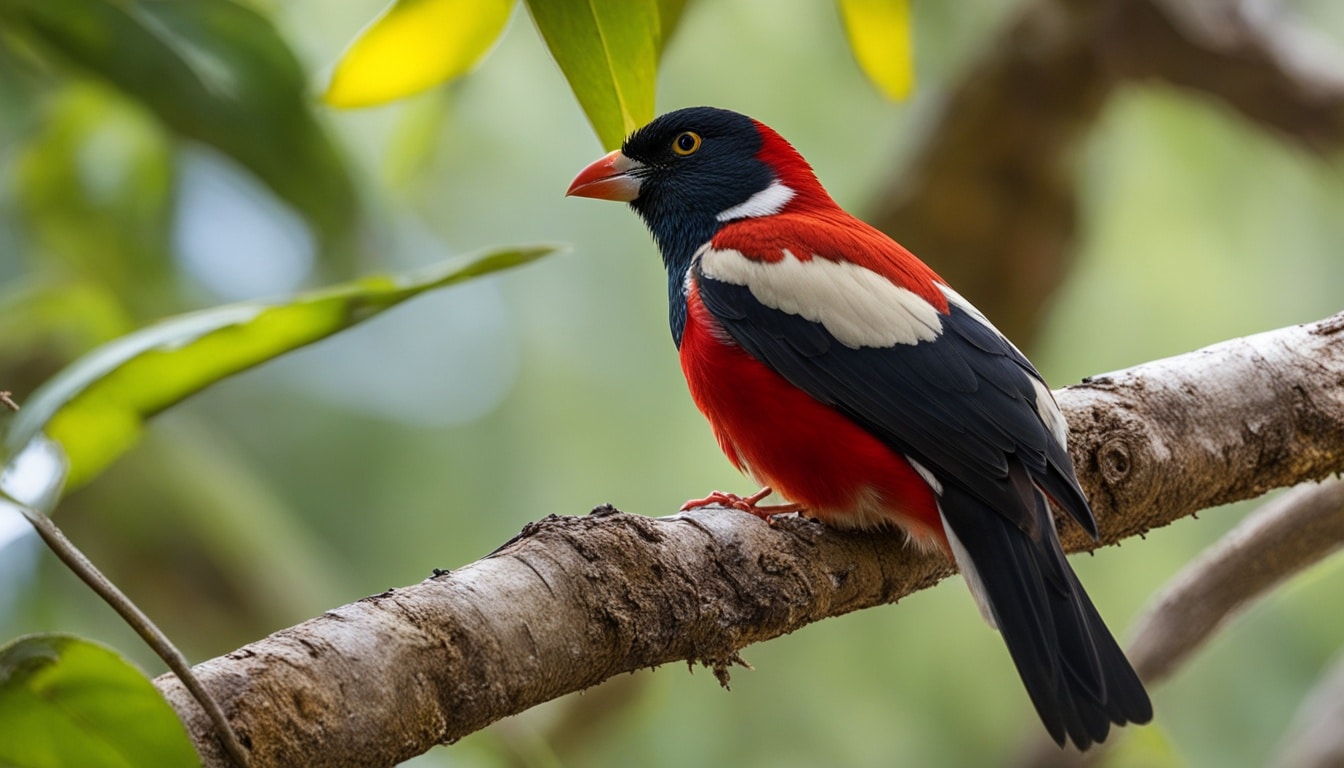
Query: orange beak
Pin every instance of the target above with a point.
(609, 178)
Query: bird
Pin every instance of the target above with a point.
(841, 373)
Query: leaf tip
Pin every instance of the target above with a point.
(879, 36)
(412, 46)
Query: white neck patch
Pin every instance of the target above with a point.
(767, 202)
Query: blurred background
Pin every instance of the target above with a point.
(431, 435)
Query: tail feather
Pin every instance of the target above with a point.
(1077, 677)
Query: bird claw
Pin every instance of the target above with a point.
(716, 499)
(749, 504)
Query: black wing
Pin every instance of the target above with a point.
(965, 406)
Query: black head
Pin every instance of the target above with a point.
(680, 172)
(696, 163)
(690, 172)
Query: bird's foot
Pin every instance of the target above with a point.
(750, 504)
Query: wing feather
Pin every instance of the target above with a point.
(962, 405)
(966, 407)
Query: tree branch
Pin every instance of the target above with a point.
(1258, 61)
(1228, 422)
(572, 601)
(1282, 538)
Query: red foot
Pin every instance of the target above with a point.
(746, 504)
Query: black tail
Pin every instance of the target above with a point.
(1075, 673)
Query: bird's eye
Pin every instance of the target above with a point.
(686, 143)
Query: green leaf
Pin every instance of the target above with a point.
(212, 70)
(94, 410)
(879, 35)
(66, 701)
(608, 50)
(414, 45)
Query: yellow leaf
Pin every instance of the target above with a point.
(415, 45)
(879, 35)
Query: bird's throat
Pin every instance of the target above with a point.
(678, 241)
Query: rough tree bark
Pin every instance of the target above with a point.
(572, 601)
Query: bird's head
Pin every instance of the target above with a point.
(691, 171)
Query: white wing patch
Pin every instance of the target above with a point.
(859, 307)
(1048, 410)
(957, 300)
(927, 475)
(767, 202)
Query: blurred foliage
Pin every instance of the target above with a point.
(94, 410)
(607, 49)
(68, 701)
(879, 34)
(429, 436)
(415, 45)
(207, 69)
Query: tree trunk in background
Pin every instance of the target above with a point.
(991, 198)
(990, 201)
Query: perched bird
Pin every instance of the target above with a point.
(841, 372)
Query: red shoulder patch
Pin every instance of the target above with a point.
(791, 169)
(835, 235)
